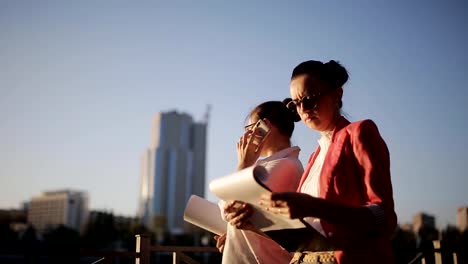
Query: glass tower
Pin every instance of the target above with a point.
(173, 168)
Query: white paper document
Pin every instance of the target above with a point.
(204, 214)
(246, 185)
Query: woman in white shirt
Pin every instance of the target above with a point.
(242, 244)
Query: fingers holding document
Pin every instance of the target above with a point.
(238, 213)
(288, 204)
(220, 242)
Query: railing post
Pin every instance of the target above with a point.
(175, 258)
(143, 249)
(179, 257)
(437, 252)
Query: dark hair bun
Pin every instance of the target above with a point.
(335, 74)
(332, 72)
(293, 113)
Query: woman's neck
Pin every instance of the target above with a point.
(277, 147)
(332, 125)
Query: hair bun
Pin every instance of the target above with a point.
(293, 113)
(336, 73)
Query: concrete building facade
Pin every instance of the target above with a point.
(62, 207)
(462, 219)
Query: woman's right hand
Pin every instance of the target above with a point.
(290, 204)
(247, 149)
(238, 214)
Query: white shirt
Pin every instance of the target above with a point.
(245, 246)
(312, 183)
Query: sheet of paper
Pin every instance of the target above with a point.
(244, 186)
(204, 214)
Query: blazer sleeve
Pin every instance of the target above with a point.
(373, 156)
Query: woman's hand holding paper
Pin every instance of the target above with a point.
(289, 204)
(220, 242)
(238, 214)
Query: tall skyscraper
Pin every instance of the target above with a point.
(62, 207)
(173, 168)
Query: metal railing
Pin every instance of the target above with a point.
(144, 250)
(419, 258)
(142, 255)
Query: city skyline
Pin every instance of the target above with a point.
(80, 82)
(154, 143)
(419, 218)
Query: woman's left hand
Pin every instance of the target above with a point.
(238, 214)
(220, 242)
(290, 204)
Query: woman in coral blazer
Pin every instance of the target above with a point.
(345, 193)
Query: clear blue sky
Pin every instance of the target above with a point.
(81, 80)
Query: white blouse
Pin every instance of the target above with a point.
(312, 183)
(246, 246)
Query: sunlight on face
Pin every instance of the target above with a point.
(323, 116)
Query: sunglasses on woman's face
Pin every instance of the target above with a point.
(307, 102)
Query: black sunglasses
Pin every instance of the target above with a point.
(308, 102)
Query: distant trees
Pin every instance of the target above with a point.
(107, 232)
(100, 231)
(8, 237)
(404, 245)
(65, 242)
(103, 232)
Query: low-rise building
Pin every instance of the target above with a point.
(63, 207)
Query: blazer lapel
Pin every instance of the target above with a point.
(331, 159)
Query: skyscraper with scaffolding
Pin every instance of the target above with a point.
(172, 169)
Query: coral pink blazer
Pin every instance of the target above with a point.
(356, 172)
